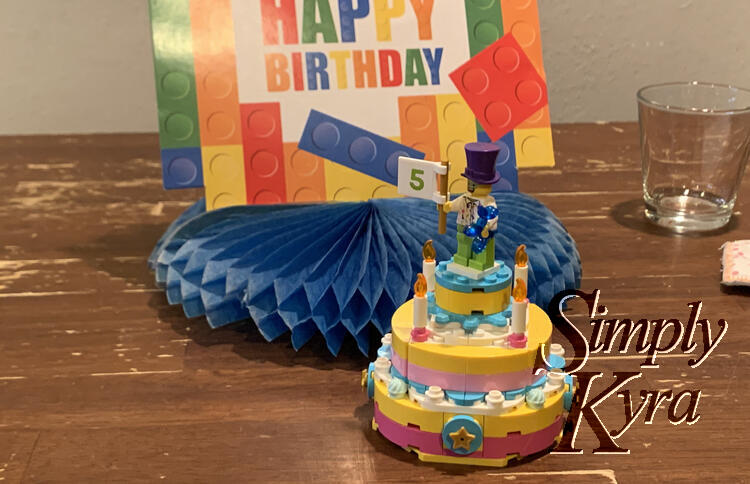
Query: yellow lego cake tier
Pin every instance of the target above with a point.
(465, 358)
(472, 302)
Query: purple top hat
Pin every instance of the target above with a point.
(480, 163)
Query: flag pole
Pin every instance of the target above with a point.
(442, 216)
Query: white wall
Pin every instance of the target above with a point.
(79, 66)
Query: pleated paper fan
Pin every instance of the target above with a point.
(336, 268)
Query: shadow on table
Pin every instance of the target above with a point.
(247, 342)
(122, 252)
(629, 214)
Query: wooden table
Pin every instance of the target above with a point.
(100, 379)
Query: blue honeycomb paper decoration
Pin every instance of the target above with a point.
(336, 268)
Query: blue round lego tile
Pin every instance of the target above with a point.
(556, 361)
(462, 435)
(471, 324)
(442, 318)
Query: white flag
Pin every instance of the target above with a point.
(419, 178)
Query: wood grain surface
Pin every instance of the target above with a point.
(101, 380)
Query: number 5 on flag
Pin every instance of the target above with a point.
(419, 178)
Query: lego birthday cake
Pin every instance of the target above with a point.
(468, 374)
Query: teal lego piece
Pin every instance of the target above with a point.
(465, 399)
(174, 73)
(535, 398)
(484, 24)
(494, 282)
(568, 395)
(513, 394)
(556, 361)
(397, 388)
(370, 381)
(454, 435)
(420, 388)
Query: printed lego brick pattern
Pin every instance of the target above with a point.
(456, 127)
(521, 18)
(305, 175)
(534, 147)
(215, 72)
(484, 23)
(181, 168)
(506, 162)
(354, 147)
(174, 73)
(343, 184)
(539, 119)
(263, 153)
(501, 86)
(418, 123)
(223, 176)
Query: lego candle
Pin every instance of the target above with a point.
(428, 264)
(521, 270)
(420, 332)
(520, 309)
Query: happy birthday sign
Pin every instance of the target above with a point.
(237, 80)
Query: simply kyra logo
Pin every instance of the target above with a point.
(652, 338)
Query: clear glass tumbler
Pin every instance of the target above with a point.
(695, 141)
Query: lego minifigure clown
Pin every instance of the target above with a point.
(481, 175)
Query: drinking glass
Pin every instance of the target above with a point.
(695, 141)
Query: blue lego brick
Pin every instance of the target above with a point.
(556, 361)
(506, 162)
(491, 283)
(353, 147)
(181, 168)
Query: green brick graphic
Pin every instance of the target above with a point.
(484, 23)
(174, 72)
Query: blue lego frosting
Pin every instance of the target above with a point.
(385, 350)
(490, 283)
(469, 322)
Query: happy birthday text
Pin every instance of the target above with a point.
(341, 68)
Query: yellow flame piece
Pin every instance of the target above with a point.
(521, 257)
(519, 292)
(428, 251)
(420, 287)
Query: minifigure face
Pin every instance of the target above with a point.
(470, 186)
(479, 190)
